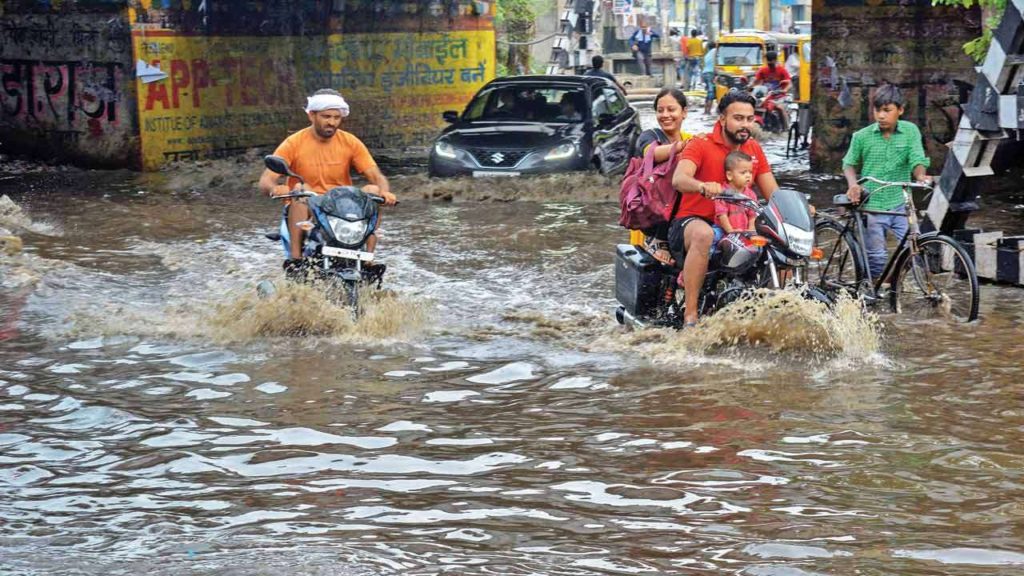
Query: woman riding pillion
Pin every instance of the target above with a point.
(323, 155)
(670, 111)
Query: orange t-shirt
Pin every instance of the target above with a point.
(324, 164)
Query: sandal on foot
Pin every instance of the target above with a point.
(659, 250)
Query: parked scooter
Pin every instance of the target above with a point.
(333, 251)
(774, 255)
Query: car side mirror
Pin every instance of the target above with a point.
(450, 116)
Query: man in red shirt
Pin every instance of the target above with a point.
(772, 75)
(699, 176)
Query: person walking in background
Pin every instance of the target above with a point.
(597, 69)
(708, 75)
(695, 57)
(683, 64)
(641, 43)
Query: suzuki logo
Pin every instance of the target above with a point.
(497, 157)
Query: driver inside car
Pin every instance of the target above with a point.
(323, 155)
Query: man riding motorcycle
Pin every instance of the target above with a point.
(323, 155)
(771, 75)
(699, 177)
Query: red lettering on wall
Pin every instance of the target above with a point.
(200, 79)
(250, 83)
(180, 78)
(156, 91)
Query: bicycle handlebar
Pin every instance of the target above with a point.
(885, 184)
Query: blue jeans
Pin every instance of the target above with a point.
(709, 86)
(874, 237)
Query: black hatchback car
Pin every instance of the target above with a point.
(537, 125)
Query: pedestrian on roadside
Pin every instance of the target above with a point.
(890, 149)
(708, 75)
(695, 57)
(597, 69)
(641, 42)
(683, 66)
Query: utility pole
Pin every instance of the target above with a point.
(573, 44)
(713, 20)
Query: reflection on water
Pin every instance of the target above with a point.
(486, 416)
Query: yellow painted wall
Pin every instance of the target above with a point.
(223, 95)
(220, 97)
(399, 84)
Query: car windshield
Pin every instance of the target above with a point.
(739, 55)
(528, 103)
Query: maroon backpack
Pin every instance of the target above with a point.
(646, 195)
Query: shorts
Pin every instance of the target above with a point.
(676, 244)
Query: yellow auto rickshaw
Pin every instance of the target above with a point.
(742, 53)
(738, 57)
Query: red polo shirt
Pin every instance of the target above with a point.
(708, 152)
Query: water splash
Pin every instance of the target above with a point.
(308, 310)
(781, 321)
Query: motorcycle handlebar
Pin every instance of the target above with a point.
(379, 199)
(294, 194)
(738, 199)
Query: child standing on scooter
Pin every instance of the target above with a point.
(890, 149)
(729, 217)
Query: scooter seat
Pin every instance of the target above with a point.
(273, 236)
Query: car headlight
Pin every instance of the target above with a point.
(800, 241)
(561, 151)
(444, 149)
(347, 232)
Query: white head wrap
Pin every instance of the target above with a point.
(321, 102)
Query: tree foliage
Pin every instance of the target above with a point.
(514, 23)
(992, 11)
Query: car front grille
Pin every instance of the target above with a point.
(497, 158)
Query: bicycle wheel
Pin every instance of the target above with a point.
(939, 281)
(840, 267)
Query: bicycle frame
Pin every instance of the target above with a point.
(855, 221)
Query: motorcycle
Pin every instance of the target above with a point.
(776, 252)
(341, 222)
(771, 109)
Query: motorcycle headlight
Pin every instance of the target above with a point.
(561, 151)
(800, 241)
(347, 232)
(444, 149)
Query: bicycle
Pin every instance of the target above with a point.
(928, 274)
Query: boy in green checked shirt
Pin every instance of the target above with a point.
(890, 149)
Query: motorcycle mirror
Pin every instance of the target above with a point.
(280, 166)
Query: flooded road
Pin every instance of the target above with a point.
(486, 417)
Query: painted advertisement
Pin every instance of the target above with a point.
(65, 86)
(399, 84)
(211, 97)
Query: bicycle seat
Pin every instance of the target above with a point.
(841, 200)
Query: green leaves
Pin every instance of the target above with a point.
(978, 48)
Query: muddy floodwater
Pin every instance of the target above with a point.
(487, 415)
